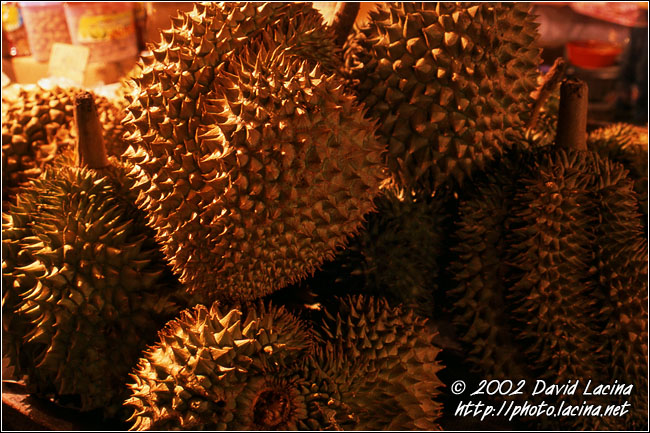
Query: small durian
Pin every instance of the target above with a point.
(623, 291)
(37, 125)
(579, 276)
(449, 82)
(255, 165)
(85, 287)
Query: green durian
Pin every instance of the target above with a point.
(37, 125)
(449, 82)
(549, 263)
(256, 165)
(259, 367)
(85, 287)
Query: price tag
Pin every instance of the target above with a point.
(68, 61)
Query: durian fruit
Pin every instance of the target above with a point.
(13, 257)
(623, 297)
(627, 144)
(550, 288)
(387, 368)
(480, 297)
(575, 220)
(257, 367)
(220, 369)
(87, 285)
(37, 125)
(620, 142)
(257, 165)
(449, 82)
(550, 265)
(212, 32)
(399, 253)
(299, 26)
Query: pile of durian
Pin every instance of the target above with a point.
(296, 224)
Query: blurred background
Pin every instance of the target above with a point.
(605, 43)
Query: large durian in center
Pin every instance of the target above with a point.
(256, 164)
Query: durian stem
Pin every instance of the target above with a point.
(551, 79)
(572, 116)
(90, 151)
(344, 17)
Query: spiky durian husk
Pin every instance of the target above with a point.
(624, 143)
(622, 260)
(398, 251)
(209, 35)
(227, 26)
(93, 295)
(450, 84)
(567, 227)
(257, 367)
(627, 144)
(253, 172)
(550, 255)
(481, 310)
(216, 30)
(13, 257)
(38, 124)
(216, 369)
(387, 376)
(551, 292)
(585, 323)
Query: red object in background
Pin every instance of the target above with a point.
(593, 54)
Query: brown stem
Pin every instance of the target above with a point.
(90, 151)
(344, 17)
(551, 79)
(572, 116)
